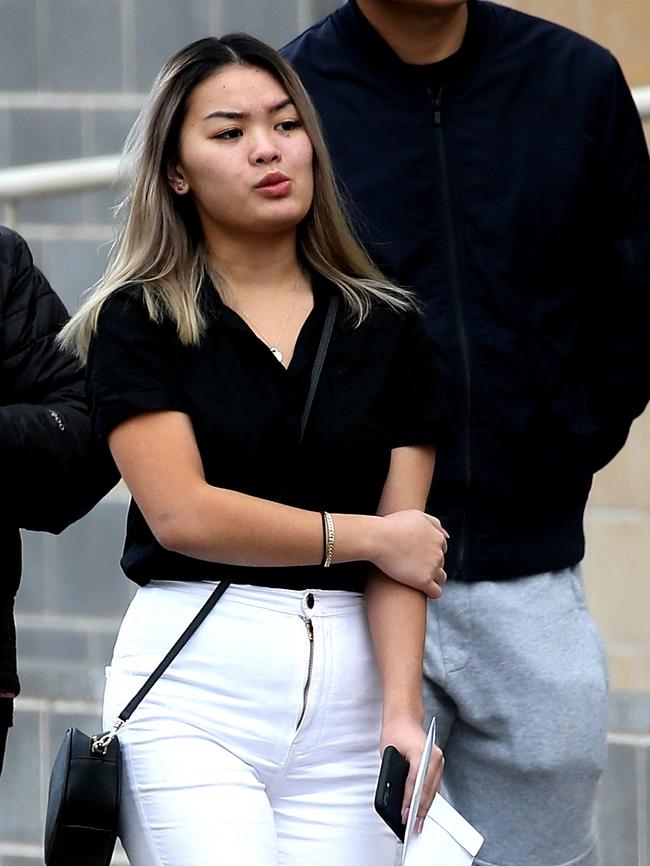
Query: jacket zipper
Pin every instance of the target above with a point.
(452, 248)
(310, 665)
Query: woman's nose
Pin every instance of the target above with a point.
(261, 159)
(264, 150)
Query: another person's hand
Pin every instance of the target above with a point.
(411, 550)
(408, 737)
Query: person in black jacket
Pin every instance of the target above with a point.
(51, 471)
(496, 164)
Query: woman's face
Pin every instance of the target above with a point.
(244, 155)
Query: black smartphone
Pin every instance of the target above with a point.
(390, 790)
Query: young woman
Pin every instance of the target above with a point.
(261, 743)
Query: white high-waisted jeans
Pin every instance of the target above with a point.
(259, 745)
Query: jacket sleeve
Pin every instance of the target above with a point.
(53, 471)
(618, 319)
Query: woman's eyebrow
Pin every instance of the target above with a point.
(243, 115)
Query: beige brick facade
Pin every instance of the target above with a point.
(617, 565)
(620, 25)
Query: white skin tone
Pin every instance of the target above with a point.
(237, 130)
(419, 31)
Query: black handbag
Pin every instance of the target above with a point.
(84, 795)
(83, 803)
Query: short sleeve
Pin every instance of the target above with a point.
(130, 366)
(417, 406)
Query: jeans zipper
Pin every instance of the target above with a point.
(452, 249)
(310, 665)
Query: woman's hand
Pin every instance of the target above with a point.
(411, 549)
(408, 737)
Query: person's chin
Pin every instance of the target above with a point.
(281, 218)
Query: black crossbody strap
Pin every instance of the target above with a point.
(224, 584)
(318, 362)
(215, 595)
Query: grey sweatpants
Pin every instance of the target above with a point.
(516, 674)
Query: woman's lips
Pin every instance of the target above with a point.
(275, 190)
(274, 184)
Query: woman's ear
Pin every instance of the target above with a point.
(176, 180)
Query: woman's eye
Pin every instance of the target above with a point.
(229, 134)
(288, 125)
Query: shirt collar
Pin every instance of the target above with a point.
(213, 306)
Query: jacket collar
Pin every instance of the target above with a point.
(364, 41)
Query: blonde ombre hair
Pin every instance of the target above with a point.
(159, 241)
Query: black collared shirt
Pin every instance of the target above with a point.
(377, 391)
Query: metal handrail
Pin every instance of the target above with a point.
(77, 175)
(54, 178)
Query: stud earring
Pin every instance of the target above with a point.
(180, 186)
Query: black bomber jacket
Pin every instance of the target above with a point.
(52, 473)
(515, 199)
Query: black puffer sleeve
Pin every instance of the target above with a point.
(52, 470)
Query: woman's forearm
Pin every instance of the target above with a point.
(397, 613)
(397, 617)
(230, 527)
(159, 459)
(397, 620)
